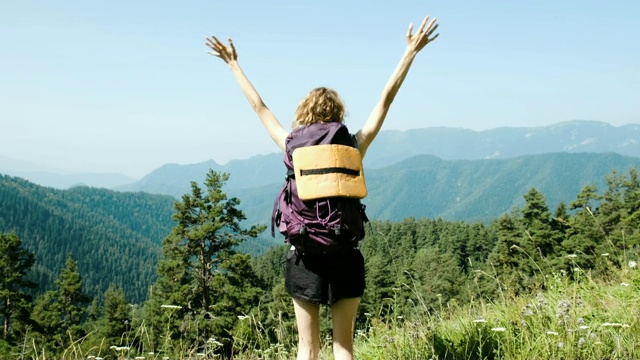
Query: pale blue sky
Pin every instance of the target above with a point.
(127, 86)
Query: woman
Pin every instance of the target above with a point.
(324, 105)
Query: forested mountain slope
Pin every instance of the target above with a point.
(115, 237)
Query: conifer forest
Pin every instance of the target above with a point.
(192, 285)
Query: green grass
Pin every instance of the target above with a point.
(584, 319)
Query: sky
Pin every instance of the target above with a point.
(127, 86)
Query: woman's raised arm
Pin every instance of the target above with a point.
(415, 43)
(230, 56)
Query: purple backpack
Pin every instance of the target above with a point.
(318, 226)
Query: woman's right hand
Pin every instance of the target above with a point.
(224, 52)
(424, 35)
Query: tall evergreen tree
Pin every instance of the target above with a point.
(15, 263)
(114, 324)
(194, 257)
(61, 312)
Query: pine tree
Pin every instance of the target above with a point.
(62, 312)
(15, 303)
(198, 265)
(114, 325)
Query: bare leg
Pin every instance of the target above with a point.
(308, 321)
(343, 316)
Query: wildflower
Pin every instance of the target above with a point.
(541, 301)
(605, 254)
(171, 306)
(214, 342)
(581, 342)
(572, 256)
(583, 327)
(400, 317)
(561, 345)
(624, 284)
(523, 323)
(242, 317)
(527, 310)
(552, 333)
(139, 358)
(580, 320)
(201, 354)
(480, 320)
(498, 329)
(576, 269)
(367, 314)
(633, 264)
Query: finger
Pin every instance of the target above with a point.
(409, 31)
(429, 32)
(431, 23)
(210, 41)
(424, 22)
(217, 41)
(233, 49)
(214, 54)
(433, 38)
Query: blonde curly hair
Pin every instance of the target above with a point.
(321, 105)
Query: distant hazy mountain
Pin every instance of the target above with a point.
(66, 181)
(46, 176)
(393, 146)
(175, 179)
(390, 147)
(501, 143)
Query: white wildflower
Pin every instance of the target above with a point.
(479, 321)
(243, 317)
(633, 264)
(498, 329)
(400, 317)
(139, 358)
(583, 327)
(171, 306)
(214, 342)
(624, 284)
(605, 254)
(552, 333)
(572, 256)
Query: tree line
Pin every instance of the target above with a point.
(208, 296)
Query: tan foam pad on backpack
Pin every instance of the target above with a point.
(329, 170)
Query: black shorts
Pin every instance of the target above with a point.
(325, 279)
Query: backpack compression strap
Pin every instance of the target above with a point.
(323, 171)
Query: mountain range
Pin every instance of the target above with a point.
(390, 147)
